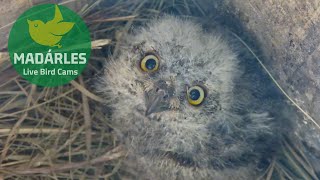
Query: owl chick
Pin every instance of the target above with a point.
(179, 100)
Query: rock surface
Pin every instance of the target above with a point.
(289, 35)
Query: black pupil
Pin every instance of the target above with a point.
(151, 64)
(194, 94)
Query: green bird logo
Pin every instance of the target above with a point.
(50, 33)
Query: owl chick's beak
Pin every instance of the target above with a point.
(157, 101)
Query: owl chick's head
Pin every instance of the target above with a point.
(169, 85)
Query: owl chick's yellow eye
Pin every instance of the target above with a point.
(195, 95)
(149, 63)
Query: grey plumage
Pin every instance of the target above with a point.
(227, 136)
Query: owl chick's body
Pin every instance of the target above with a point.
(227, 136)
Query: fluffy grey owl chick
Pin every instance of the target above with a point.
(178, 102)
